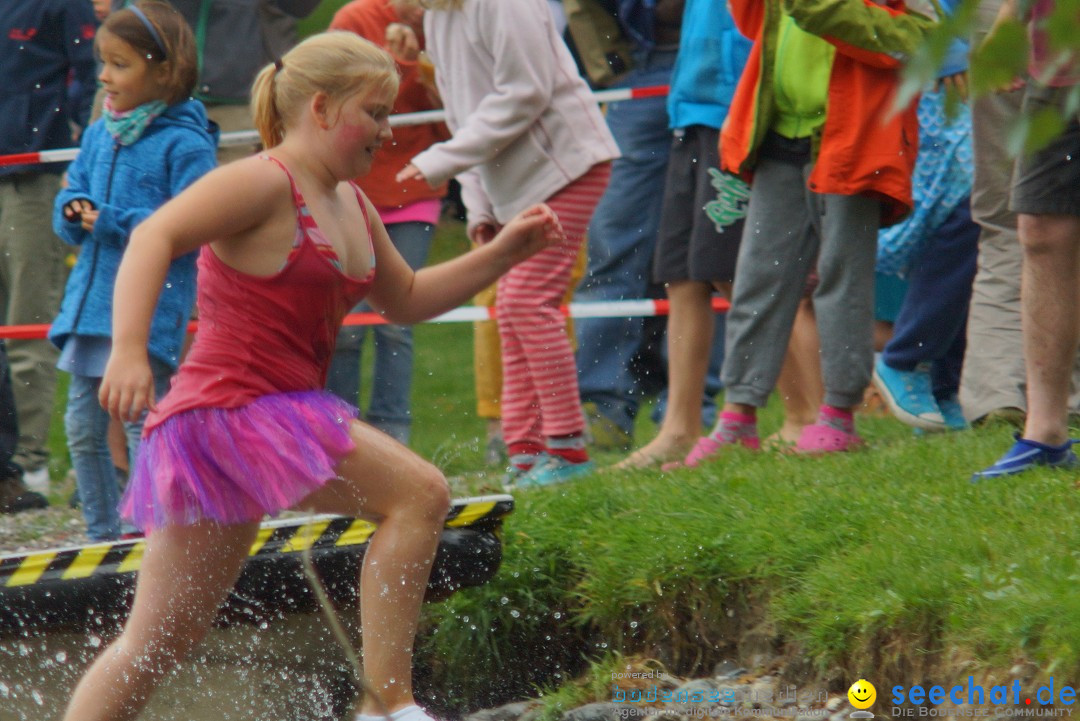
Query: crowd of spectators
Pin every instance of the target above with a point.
(853, 229)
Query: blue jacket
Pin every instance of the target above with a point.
(956, 58)
(126, 184)
(41, 43)
(712, 53)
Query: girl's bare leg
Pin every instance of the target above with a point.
(118, 448)
(689, 339)
(800, 385)
(408, 497)
(185, 574)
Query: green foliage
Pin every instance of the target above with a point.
(595, 684)
(922, 67)
(1061, 26)
(1034, 131)
(320, 19)
(999, 61)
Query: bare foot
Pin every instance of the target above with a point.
(657, 452)
(785, 438)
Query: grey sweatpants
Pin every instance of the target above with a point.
(787, 228)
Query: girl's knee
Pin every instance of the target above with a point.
(433, 494)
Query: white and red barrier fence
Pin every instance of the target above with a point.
(601, 309)
(250, 137)
(637, 308)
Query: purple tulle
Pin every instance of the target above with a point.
(234, 465)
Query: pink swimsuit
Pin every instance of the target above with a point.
(246, 428)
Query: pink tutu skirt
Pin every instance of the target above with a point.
(234, 465)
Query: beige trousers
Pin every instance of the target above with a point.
(32, 277)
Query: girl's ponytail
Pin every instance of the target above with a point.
(264, 106)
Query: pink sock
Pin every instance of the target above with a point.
(732, 427)
(842, 419)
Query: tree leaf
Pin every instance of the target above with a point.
(1000, 59)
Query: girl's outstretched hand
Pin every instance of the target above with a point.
(529, 232)
(127, 389)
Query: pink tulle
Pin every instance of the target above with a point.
(235, 465)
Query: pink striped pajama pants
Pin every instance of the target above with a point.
(540, 391)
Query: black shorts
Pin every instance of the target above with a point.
(688, 245)
(1047, 182)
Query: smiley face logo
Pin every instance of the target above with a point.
(862, 694)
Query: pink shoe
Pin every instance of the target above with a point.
(819, 438)
(707, 447)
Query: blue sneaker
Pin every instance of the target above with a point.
(910, 396)
(953, 414)
(551, 470)
(1025, 455)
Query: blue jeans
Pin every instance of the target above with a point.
(621, 240)
(389, 409)
(932, 320)
(87, 426)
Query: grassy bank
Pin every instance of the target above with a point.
(885, 563)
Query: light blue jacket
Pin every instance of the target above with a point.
(712, 53)
(956, 58)
(126, 184)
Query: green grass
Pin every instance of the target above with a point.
(885, 563)
(320, 19)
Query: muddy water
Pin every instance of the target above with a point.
(285, 671)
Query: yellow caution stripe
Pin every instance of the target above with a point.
(281, 536)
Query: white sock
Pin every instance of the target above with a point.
(408, 713)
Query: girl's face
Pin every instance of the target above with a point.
(363, 125)
(128, 77)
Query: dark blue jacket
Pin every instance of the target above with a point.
(126, 184)
(42, 43)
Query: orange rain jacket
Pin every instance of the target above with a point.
(865, 146)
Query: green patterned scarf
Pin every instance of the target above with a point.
(128, 126)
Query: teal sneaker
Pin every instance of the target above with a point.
(910, 396)
(953, 414)
(514, 471)
(551, 470)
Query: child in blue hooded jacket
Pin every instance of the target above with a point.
(151, 143)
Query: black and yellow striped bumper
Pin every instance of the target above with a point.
(91, 585)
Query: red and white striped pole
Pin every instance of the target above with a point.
(642, 307)
(466, 314)
(250, 137)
